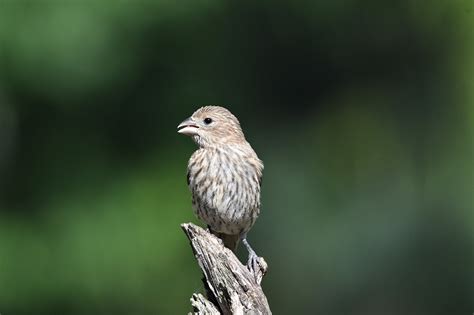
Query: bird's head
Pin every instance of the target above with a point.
(212, 126)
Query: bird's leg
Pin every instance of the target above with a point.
(252, 262)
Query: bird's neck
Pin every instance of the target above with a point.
(241, 149)
(222, 143)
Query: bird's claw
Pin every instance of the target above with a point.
(257, 266)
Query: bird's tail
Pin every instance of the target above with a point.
(230, 241)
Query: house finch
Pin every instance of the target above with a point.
(224, 176)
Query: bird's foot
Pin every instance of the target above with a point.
(256, 265)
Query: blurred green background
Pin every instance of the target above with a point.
(363, 112)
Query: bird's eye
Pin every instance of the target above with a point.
(207, 121)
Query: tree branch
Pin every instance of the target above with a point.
(232, 287)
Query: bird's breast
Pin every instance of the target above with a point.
(225, 188)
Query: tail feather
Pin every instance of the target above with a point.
(230, 241)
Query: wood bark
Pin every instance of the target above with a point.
(231, 287)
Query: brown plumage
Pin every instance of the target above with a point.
(224, 175)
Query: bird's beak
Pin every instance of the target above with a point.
(188, 127)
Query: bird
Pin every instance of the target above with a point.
(224, 176)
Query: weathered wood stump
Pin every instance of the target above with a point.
(231, 287)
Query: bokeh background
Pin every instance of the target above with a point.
(363, 112)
